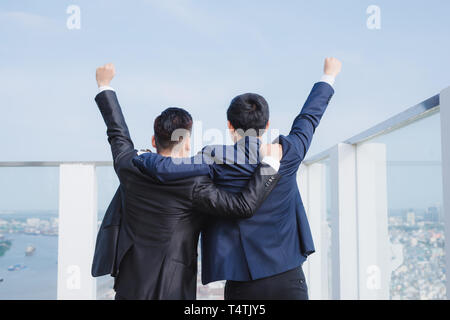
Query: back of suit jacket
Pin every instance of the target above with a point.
(157, 243)
(158, 239)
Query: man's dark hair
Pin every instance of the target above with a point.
(166, 123)
(249, 111)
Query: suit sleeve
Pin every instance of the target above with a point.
(212, 200)
(168, 169)
(305, 124)
(117, 130)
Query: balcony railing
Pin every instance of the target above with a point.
(377, 207)
(376, 204)
(63, 194)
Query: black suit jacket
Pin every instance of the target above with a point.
(105, 254)
(149, 236)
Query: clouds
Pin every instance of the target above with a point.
(29, 21)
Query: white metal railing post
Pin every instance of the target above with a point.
(316, 212)
(445, 140)
(373, 239)
(344, 222)
(77, 231)
(334, 223)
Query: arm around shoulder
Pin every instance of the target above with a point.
(210, 199)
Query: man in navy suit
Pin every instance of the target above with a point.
(260, 257)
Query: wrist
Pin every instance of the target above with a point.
(103, 84)
(328, 78)
(104, 88)
(330, 74)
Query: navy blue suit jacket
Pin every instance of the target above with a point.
(278, 237)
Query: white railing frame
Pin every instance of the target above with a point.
(354, 274)
(77, 227)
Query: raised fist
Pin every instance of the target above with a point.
(105, 74)
(332, 67)
(272, 150)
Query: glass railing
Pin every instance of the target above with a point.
(376, 205)
(28, 232)
(386, 212)
(29, 245)
(413, 194)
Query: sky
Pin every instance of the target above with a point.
(199, 55)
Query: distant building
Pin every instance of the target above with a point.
(33, 222)
(432, 214)
(411, 218)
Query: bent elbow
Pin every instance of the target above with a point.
(247, 212)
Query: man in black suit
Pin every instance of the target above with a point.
(160, 224)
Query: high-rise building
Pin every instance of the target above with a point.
(411, 218)
(432, 214)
